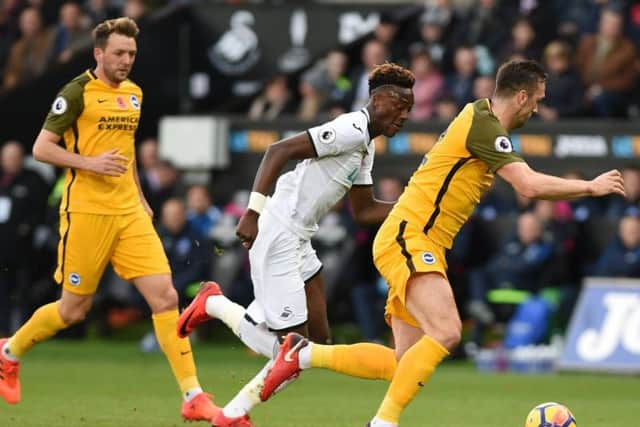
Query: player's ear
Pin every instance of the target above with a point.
(97, 53)
(522, 97)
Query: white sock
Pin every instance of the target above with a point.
(191, 393)
(258, 338)
(304, 356)
(377, 422)
(223, 308)
(248, 397)
(7, 353)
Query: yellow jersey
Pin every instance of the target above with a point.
(92, 118)
(453, 176)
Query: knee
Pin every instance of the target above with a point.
(73, 314)
(166, 300)
(320, 338)
(451, 337)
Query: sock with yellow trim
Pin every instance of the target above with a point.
(43, 324)
(414, 369)
(177, 350)
(362, 360)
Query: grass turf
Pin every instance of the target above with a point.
(113, 384)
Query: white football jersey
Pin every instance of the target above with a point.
(345, 158)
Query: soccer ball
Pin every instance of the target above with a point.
(550, 414)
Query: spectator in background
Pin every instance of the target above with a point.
(202, 215)
(49, 9)
(433, 28)
(373, 53)
(134, 9)
(275, 100)
(541, 16)
(99, 10)
(607, 62)
(368, 295)
(483, 87)
(520, 264)
(8, 30)
(460, 84)
(324, 87)
(146, 160)
(31, 54)
(429, 84)
(565, 93)
(386, 32)
(522, 42)
(446, 108)
(187, 254)
(72, 33)
(485, 23)
(622, 257)
(557, 219)
(22, 207)
(163, 184)
(583, 208)
(618, 205)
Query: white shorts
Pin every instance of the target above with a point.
(281, 263)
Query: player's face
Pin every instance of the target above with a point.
(393, 110)
(117, 57)
(529, 105)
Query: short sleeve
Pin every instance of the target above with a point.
(364, 174)
(344, 134)
(495, 150)
(65, 109)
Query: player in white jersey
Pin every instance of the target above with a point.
(336, 159)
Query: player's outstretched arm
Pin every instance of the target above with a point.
(47, 150)
(536, 185)
(366, 208)
(277, 155)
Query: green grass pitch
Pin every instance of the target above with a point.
(113, 384)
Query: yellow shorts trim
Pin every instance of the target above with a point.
(399, 251)
(89, 241)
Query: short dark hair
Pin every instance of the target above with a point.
(123, 26)
(390, 74)
(519, 74)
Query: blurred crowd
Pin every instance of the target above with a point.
(37, 34)
(511, 246)
(454, 47)
(589, 47)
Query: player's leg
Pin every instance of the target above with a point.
(139, 257)
(275, 248)
(278, 270)
(318, 323)
(80, 264)
(429, 299)
(238, 408)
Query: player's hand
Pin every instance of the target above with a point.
(110, 163)
(247, 228)
(608, 183)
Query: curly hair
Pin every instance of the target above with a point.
(124, 26)
(390, 74)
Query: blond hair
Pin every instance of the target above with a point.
(123, 26)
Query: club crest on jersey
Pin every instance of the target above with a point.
(74, 279)
(327, 135)
(121, 103)
(428, 258)
(59, 105)
(503, 144)
(134, 102)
